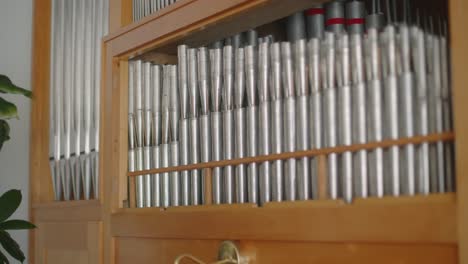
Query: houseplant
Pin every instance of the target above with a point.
(10, 200)
(8, 110)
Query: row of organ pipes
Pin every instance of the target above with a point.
(77, 28)
(343, 77)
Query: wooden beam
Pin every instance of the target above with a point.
(109, 151)
(459, 51)
(306, 153)
(422, 219)
(40, 183)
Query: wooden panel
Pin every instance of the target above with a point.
(349, 253)
(126, 16)
(68, 211)
(70, 242)
(71, 235)
(416, 219)
(36, 243)
(136, 251)
(94, 242)
(459, 51)
(120, 14)
(166, 251)
(66, 256)
(115, 12)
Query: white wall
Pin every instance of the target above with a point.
(15, 62)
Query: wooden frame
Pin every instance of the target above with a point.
(459, 40)
(436, 222)
(134, 40)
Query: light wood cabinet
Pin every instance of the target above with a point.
(421, 229)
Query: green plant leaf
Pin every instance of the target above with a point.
(7, 86)
(10, 245)
(7, 109)
(3, 259)
(16, 225)
(4, 132)
(9, 202)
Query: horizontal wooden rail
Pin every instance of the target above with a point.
(417, 219)
(447, 136)
(66, 204)
(67, 211)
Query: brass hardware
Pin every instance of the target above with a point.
(228, 253)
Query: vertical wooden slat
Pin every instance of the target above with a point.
(122, 114)
(40, 183)
(208, 186)
(132, 192)
(322, 177)
(101, 117)
(120, 14)
(115, 11)
(126, 15)
(459, 51)
(40, 180)
(109, 119)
